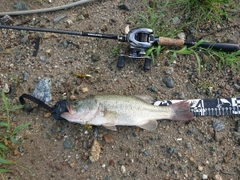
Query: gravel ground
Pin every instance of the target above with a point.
(53, 149)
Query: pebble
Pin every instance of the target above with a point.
(95, 151)
(190, 131)
(217, 177)
(204, 176)
(200, 168)
(168, 81)
(182, 36)
(42, 58)
(6, 88)
(188, 145)
(80, 17)
(24, 39)
(24, 76)
(85, 167)
(20, 6)
(123, 169)
(7, 20)
(42, 90)
(134, 134)
(171, 150)
(169, 70)
(147, 152)
(95, 57)
(153, 89)
(124, 5)
(218, 136)
(218, 125)
(217, 167)
(85, 13)
(176, 20)
(20, 149)
(69, 22)
(67, 144)
(108, 138)
(57, 19)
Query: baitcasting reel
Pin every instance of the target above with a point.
(139, 39)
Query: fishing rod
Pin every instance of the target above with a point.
(139, 39)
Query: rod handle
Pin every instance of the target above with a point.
(164, 41)
(227, 47)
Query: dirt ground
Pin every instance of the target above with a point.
(52, 149)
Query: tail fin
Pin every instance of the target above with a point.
(181, 111)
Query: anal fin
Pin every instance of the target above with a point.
(150, 125)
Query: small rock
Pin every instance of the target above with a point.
(48, 52)
(191, 159)
(111, 162)
(72, 164)
(80, 17)
(190, 131)
(123, 169)
(217, 177)
(147, 152)
(169, 70)
(168, 81)
(6, 89)
(188, 145)
(212, 148)
(20, 149)
(204, 176)
(124, 5)
(217, 167)
(42, 58)
(153, 89)
(57, 19)
(84, 90)
(218, 125)
(24, 76)
(218, 136)
(200, 168)
(42, 90)
(85, 167)
(176, 20)
(182, 36)
(108, 138)
(171, 150)
(20, 6)
(6, 20)
(95, 151)
(72, 97)
(24, 39)
(95, 57)
(67, 144)
(85, 13)
(69, 22)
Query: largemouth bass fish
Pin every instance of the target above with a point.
(112, 110)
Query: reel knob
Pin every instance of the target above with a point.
(147, 64)
(120, 62)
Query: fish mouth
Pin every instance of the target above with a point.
(70, 110)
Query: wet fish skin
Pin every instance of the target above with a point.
(112, 110)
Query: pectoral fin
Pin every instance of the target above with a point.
(150, 125)
(111, 117)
